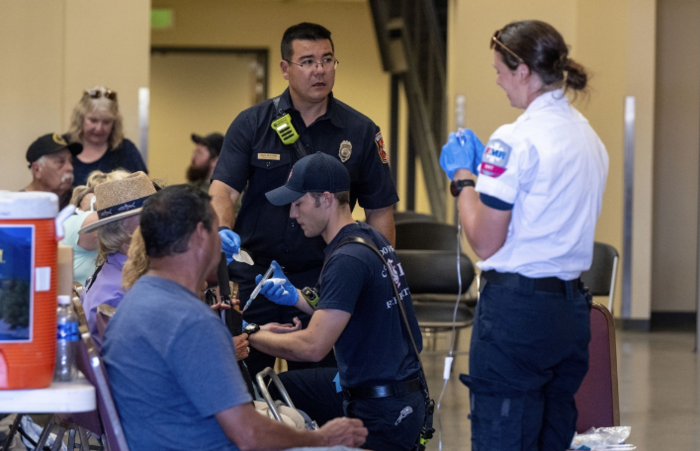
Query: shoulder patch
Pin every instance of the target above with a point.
(495, 159)
(379, 141)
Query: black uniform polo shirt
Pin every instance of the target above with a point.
(253, 157)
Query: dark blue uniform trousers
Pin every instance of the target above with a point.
(314, 392)
(528, 356)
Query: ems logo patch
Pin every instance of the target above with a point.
(495, 158)
(379, 141)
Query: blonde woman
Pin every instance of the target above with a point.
(97, 124)
(85, 245)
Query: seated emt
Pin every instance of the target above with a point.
(379, 369)
(169, 357)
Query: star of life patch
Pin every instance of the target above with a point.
(379, 141)
(495, 158)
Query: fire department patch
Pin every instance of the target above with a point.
(379, 141)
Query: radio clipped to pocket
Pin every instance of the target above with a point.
(285, 129)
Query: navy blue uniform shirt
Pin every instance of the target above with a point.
(254, 155)
(375, 347)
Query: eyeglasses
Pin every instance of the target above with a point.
(327, 63)
(495, 40)
(96, 94)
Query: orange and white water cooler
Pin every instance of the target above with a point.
(28, 283)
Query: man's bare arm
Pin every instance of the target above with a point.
(382, 219)
(250, 431)
(307, 345)
(223, 198)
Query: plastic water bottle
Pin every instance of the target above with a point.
(67, 341)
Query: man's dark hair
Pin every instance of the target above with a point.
(343, 198)
(170, 216)
(304, 31)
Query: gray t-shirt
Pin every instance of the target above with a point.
(172, 366)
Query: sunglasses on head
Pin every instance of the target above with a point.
(496, 39)
(96, 94)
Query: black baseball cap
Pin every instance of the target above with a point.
(213, 141)
(49, 145)
(315, 173)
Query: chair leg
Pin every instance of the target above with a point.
(457, 331)
(13, 431)
(45, 433)
(84, 440)
(71, 439)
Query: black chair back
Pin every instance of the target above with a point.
(435, 272)
(600, 279)
(426, 236)
(412, 216)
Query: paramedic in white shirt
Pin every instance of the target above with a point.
(530, 218)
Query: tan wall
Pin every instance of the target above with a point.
(615, 41)
(193, 93)
(51, 51)
(677, 140)
(360, 80)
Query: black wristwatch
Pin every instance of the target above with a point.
(457, 185)
(251, 328)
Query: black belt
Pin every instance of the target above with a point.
(397, 389)
(514, 280)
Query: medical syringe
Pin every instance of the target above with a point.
(258, 287)
(461, 137)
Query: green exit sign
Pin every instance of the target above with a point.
(161, 19)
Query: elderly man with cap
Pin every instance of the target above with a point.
(50, 160)
(204, 159)
(118, 204)
(361, 305)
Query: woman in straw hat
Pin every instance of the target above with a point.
(118, 205)
(85, 245)
(97, 124)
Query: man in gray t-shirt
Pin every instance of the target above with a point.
(171, 361)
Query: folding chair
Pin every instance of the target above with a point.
(597, 399)
(90, 363)
(105, 312)
(103, 422)
(600, 279)
(433, 280)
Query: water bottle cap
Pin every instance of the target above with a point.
(63, 300)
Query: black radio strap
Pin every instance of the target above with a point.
(369, 244)
(299, 150)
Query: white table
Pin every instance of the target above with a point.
(59, 397)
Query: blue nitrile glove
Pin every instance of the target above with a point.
(230, 243)
(463, 150)
(278, 289)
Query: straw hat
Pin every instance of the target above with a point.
(119, 199)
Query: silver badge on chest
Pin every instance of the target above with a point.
(345, 151)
